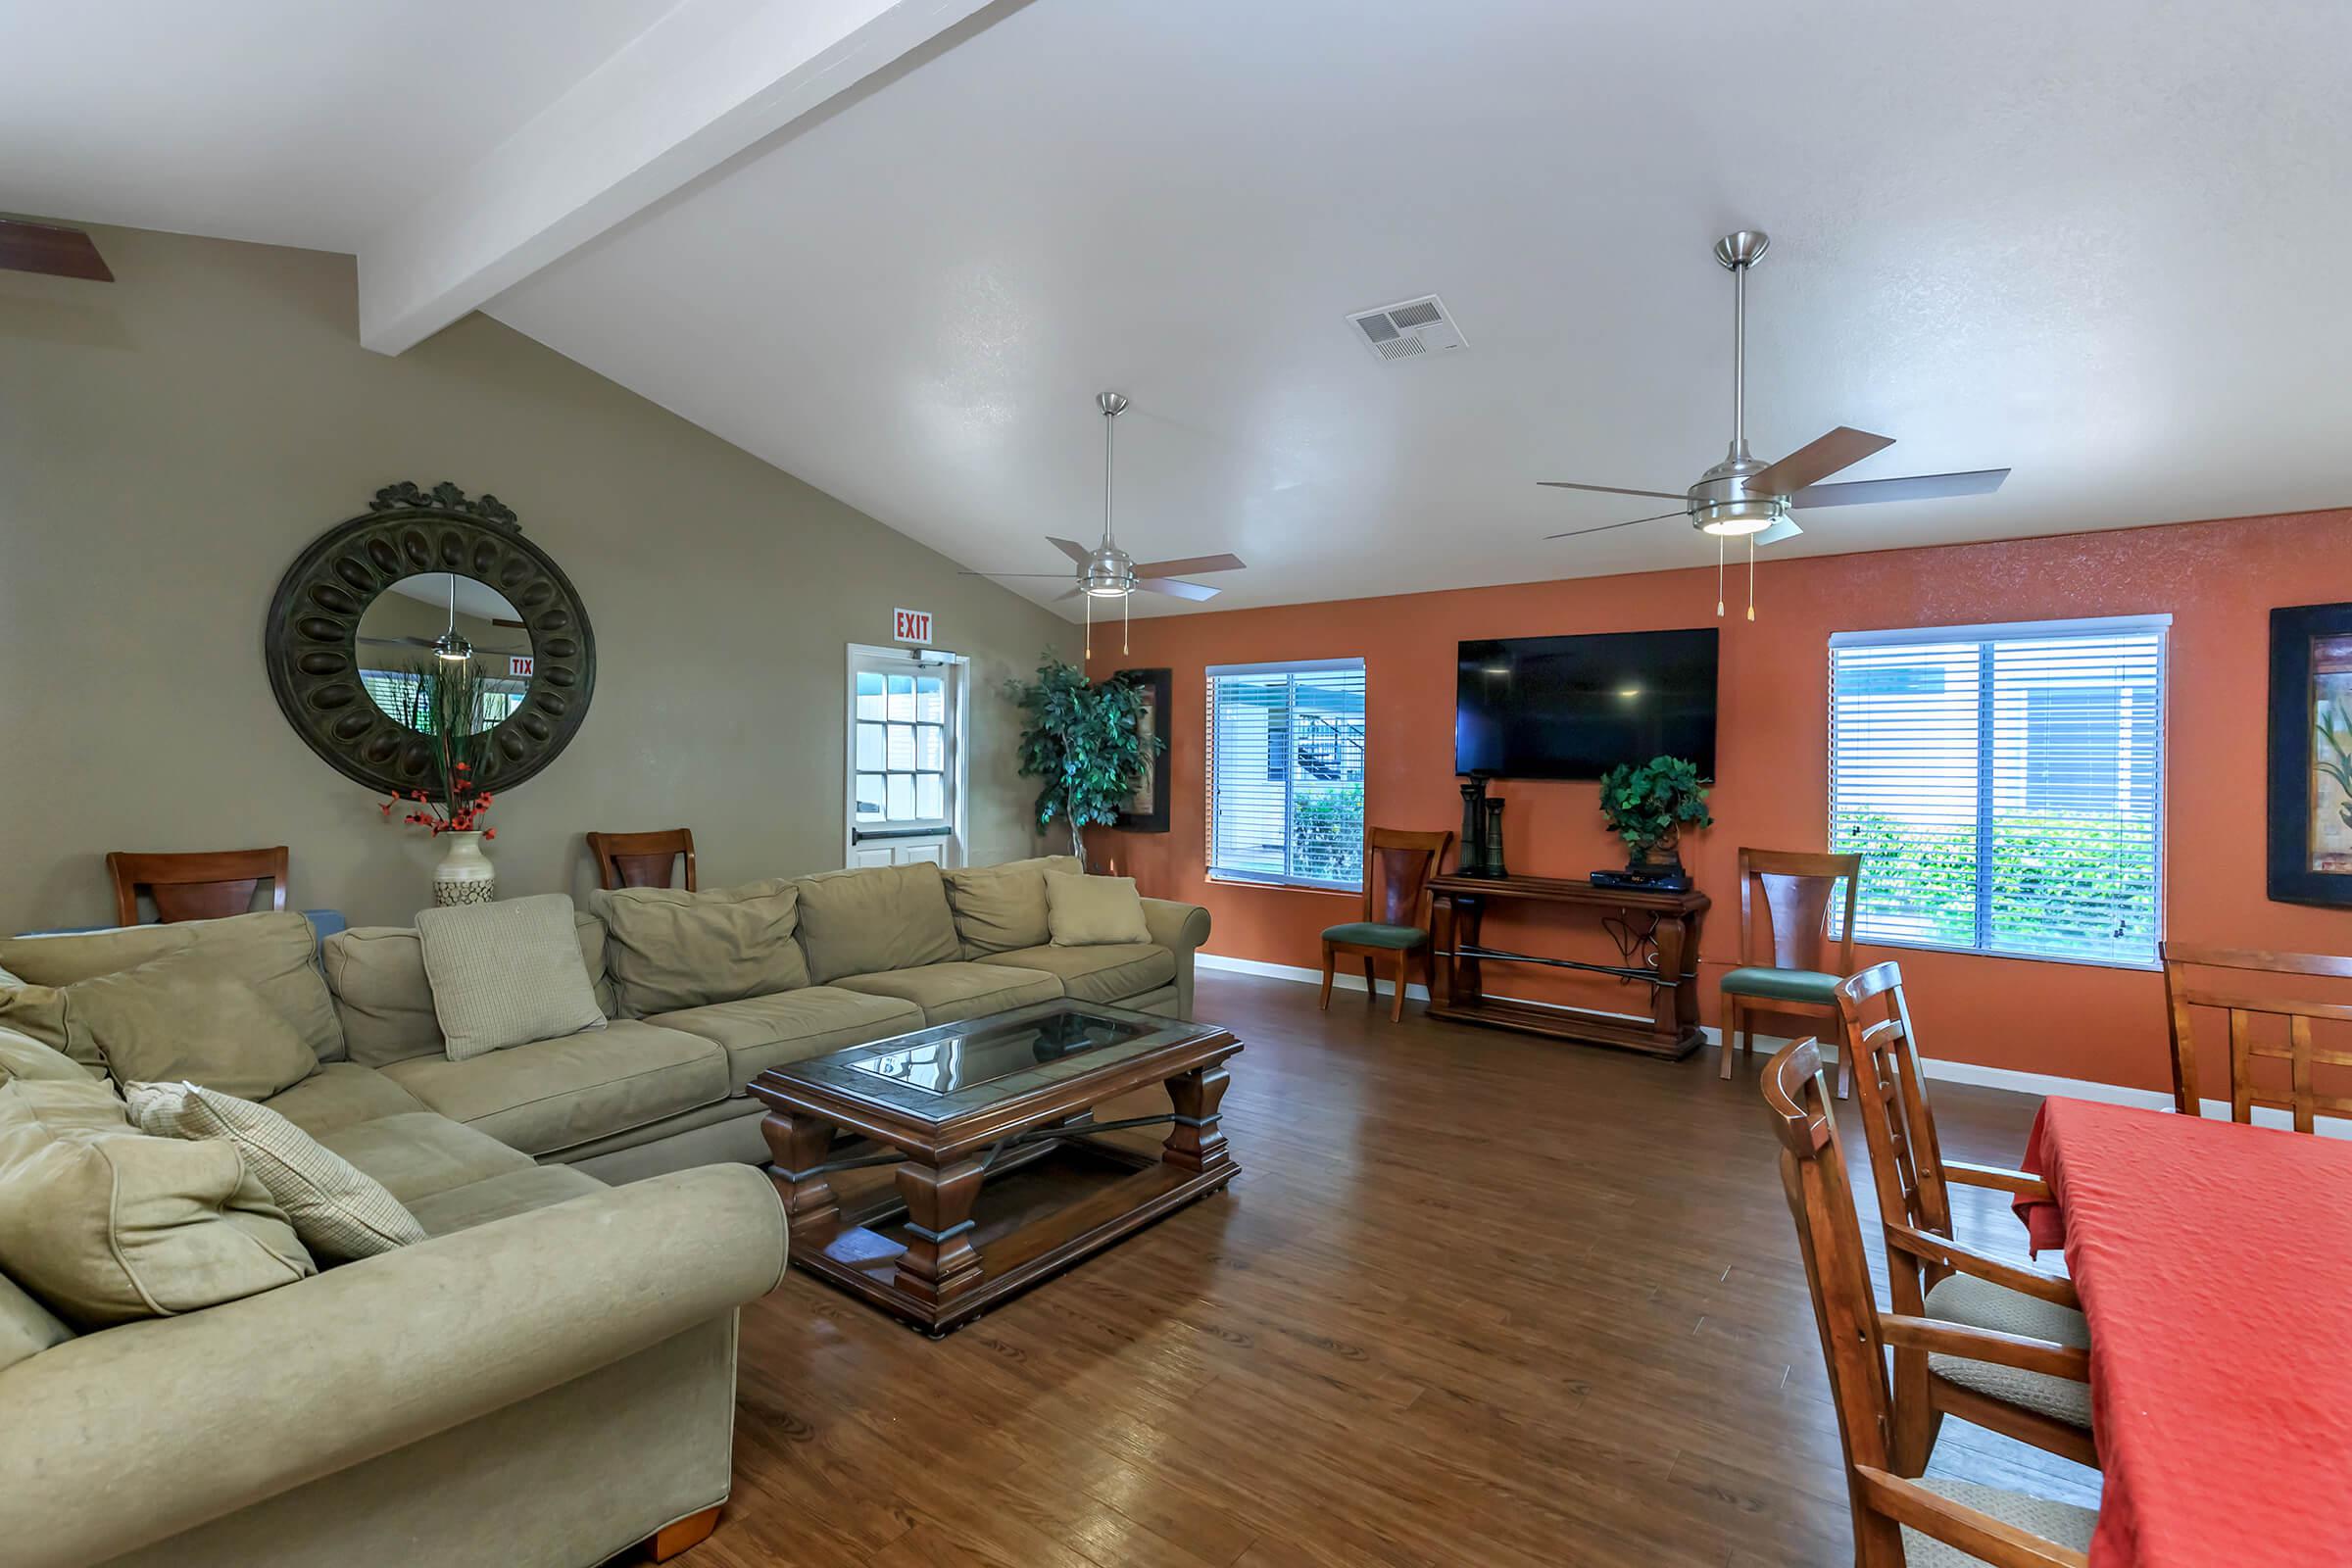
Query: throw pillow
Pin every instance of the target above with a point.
(507, 973)
(338, 1210)
(670, 949)
(185, 1016)
(102, 1224)
(1092, 912)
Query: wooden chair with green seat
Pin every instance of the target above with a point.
(1932, 1275)
(1398, 866)
(1901, 1522)
(1800, 974)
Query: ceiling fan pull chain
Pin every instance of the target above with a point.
(1124, 601)
(1751, 576)
(1719, 576)
(1089, 626)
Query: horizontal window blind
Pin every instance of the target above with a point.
(1286, 774)
(2004, 785)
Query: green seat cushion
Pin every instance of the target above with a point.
(1783, 985)
(1372, 934)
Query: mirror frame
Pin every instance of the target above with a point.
(309, 646)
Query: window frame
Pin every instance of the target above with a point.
(945, 834)
(1289, 783)
(1987, 634)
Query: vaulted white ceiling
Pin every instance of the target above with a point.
(2096, 243)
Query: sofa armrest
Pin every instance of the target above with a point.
(1180, 928)
(133, 1433)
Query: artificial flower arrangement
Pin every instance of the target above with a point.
(443, 702)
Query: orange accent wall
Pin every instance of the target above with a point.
(2218, 580)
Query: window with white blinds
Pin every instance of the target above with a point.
(2005, 785)
(1285, 772)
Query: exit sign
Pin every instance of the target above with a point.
(911, 625)
(518, 667)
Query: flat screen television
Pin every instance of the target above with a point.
(1577, 707)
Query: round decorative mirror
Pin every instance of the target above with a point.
(429, 614)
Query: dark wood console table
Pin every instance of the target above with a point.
(1656, 934)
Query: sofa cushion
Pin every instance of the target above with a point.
(103, 1224)
(26, 1327)
(385, 1002)
(669, 949)
(507, 974)
(1001, 907)
(422, 1152)
(275, 951)
(884, 917)
(947, 992)
(342, 1094)
(554, 1094)
(1110, 972)
(1085, 912)
(38, 1013)
(509, 1193)
(337, 1209)
(763, 1032)
(184, 1016)
(22, 1056)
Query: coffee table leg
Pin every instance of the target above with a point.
(940, 1262)
(799, 1145)
(1197, 1141)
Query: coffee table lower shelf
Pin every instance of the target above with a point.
(1039, 1212)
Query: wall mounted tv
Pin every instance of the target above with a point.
(1575, 706)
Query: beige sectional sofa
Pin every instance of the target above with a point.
(550, 1377)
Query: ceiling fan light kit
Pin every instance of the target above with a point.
(1743, 497)
(1108, 573)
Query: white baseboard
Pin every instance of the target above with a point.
(1958, 1072)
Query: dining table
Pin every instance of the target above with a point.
(2214, 1261)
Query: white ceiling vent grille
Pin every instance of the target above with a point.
(1409, 329)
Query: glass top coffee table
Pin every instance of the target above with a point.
(1005, 1102)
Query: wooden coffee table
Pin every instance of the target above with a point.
(1005, 1102)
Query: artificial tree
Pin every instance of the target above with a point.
(1648, 804)
(1086, 739)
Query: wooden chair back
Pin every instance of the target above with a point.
(2249, 1007)
(1906, 1163)
(1397, 866)
(1854, 1338)
(642, 860)
(1799, 890)
(206, 885)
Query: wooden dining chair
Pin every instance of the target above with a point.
(642, 860)
(1397, 866)
(1799, 973)
(1901, 1522)
(206, 885)
(1926, 1274)
(2247, 1003)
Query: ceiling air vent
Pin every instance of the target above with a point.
(1411, 330)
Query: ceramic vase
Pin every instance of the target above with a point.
(465, 875)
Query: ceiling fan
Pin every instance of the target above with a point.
(453, 646)
(1746, 497)
(45, 248)
(1108, 573)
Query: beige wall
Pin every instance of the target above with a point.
(167, 444)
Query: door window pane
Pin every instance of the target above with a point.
(930, 796)
(902, 697)
(902, 747)
(930, 748)
(870, 749)
(869, 694)
(900, 798)
(869, 797)
(930, 700)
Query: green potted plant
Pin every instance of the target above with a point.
(1086, 739)
(1649, 803)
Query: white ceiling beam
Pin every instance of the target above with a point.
(710, 79)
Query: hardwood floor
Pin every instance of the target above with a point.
(1476, 1298)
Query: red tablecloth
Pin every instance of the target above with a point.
(2215, 1264)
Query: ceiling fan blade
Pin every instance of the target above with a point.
(47, 249)
(1189, 565)
(1817, 460)
(1058, 576)
(1917, 487)
(1070, 548)
(1783, 529)
(1609, 489)
(1607, 526)
(1176, 590)
(400, 642)
(1074, 593)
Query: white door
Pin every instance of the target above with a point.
(906, 757)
